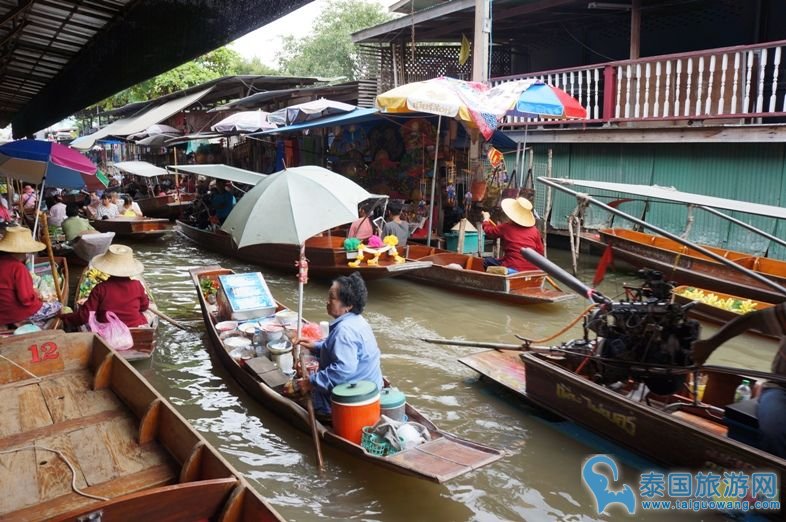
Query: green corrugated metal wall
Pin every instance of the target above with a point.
(748, 172)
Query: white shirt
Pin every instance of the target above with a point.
(57, 214)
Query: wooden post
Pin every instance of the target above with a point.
(51, 256)
(547, 207)
(635, 29)
(462, 232)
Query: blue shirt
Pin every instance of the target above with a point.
(222, 202)
(350, 353)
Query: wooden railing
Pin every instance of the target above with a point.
(739, 83)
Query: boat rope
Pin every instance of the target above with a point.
(34, 376)
(575, 220)
(528, 342)
(68, 463)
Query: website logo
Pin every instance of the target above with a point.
(600, 485)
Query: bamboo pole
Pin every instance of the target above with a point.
(51, 256)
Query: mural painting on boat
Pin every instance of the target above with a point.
(625, 422)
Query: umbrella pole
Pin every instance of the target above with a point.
(433, 183)
(40, 198)
(302, 277)
(51, 256)
(523, 157)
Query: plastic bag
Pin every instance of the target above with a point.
(115, 332)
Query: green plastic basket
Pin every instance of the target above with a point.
(375, 445)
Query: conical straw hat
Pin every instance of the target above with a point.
(519, 210)
(19, 240)
(118, 261)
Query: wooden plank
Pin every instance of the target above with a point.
(454, 451)
(501, 366)
(428, 465)
(176, 435)
(20, 439)
(42, 353)
(18, 481)
(54, 475)
(131, 388)
(32, 409)
(109, 450)
(148, 427)
(149, 478)
(70, 396)
(192, 466)
(103, 374)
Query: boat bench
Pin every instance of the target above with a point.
(266, 371)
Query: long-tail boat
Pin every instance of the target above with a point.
(134, 227)
(169, 207)
(326, 255)
(85, 437)
(689, 267)
(465, 273)
(443, 457)
(144, 336)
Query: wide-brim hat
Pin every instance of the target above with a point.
(118, 261)
(519, 210)
(19, 240)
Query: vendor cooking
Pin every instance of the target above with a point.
(516, 234)
(350, 351)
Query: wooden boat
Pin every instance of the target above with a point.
(144, 336)
(522, 287)
(716, 306)
(689, 267)
(168, 207)
(669, 430)
(133, 227)
(326, 255)
(442, 458)
(125, 444)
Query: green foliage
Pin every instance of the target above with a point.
(215, 64)
(329, 51)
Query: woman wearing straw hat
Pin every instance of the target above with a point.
(120, 294)
(19, 300)
(516, 234)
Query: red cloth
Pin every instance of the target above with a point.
(18, 298)
(514, 238)
(124, 296)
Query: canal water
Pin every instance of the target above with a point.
(538, 479)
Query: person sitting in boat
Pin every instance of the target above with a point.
(158, 192)
(29, 198)
(516, 234)
(73, 225)
(772, 398)
(116, 201)
(350, 351)
(106, 210)
(120, 294)
(222, 201)
(130, 208)
(19, 300)
(57, 211)
(396, 226)
(362, 228)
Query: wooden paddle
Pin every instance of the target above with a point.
(494, 346)
(168, 319)
(311, 416)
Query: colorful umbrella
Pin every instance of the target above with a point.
(309, 111)
(465, 101)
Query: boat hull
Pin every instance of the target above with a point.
(443, 458)
(326, 256)
(522, 287)
(688, 267)
(134, 228)
(168, 207)
(123, 441)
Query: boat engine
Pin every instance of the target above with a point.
(642, 338)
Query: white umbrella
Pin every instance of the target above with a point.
(246, 121)
(156, 140)
(309, 111)
(153, 130)
(291, 206)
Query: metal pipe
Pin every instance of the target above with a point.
(744, 225)
(755, 275)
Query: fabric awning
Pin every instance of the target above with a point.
(356, 116)
(221, 171)
(672, 194)
(140, 168)
(139, 122)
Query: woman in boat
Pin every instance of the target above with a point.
(771, 410)
(19, 300)
(362, 227)
(120, 294)
(350, 351)
(516, 234)
(130, 208)
(74, 226)
(29, 198)
(57, 211)
(106, 210)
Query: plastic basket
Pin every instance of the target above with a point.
(374, 444)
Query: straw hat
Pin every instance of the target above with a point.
(19, 240)
(118, 261)
(519, 210)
